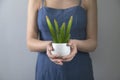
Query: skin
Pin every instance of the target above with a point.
(88, 45)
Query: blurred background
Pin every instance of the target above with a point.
(18, 63)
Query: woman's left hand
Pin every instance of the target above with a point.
(73, 46)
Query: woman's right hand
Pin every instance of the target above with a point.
(53, 58)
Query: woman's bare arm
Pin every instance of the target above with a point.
(90, 43)
(33, 43)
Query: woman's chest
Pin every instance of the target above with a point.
(78, 13)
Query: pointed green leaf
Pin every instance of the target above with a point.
(69, 25)
(56, 29)
(69, 28)
(52, 31)
(62, 32)
(67, 39)
(56, 26)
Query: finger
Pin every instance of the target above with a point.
(73, 52)
(73, 48)
(67, 60)
(50, 54)
(57, 61)
(49, 47)
(68, 57)
(69, 44)
(60, 63)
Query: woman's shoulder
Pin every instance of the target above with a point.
(88, 3)
(35, 4)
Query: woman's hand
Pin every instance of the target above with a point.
(58, 60)
(53, 58)
(73, 46)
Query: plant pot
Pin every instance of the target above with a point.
(60, 49)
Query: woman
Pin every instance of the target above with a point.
(77, 65)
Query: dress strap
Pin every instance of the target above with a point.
(43, 3)
(80, 2)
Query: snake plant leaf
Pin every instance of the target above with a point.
(69, 27)
(57, 29)
(62, 32)
(56, 26)
(67, 38)
(59, 38)
(52, 31)
(69, 24)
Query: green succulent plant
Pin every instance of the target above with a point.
(60, 34)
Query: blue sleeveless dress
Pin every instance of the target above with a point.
(80, 68)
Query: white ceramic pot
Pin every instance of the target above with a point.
(61, 49)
